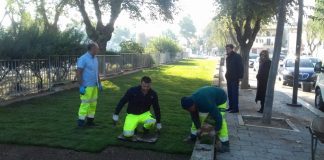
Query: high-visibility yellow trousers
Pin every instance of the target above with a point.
(88, 103)
(223, 132)
(133, 120)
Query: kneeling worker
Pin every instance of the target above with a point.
(139, 100)
(208, 100)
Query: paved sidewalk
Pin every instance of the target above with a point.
(256, 143)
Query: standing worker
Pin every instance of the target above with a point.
(234, 72)
(88, 76)
(208, 100)
(139, 99)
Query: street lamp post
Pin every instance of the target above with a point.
(298, 46)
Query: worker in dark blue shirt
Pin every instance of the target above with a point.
(234, 72)
(208, 100)
(139, 99)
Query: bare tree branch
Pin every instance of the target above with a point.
(98, 13)
(89, 28)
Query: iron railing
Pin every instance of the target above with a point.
(24, 77)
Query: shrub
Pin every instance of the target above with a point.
(34, 42)
(130, 47)
(163, 45)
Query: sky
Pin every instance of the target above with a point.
(201, 12)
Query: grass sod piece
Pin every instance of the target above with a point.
(51, 120)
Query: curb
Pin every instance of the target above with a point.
(308, 106)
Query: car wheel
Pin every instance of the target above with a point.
(319, 100)
(284, 83)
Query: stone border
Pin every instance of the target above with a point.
(294, 128)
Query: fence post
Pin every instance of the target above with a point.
(104, 66)
(49, 74)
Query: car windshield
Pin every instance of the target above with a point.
(314, 60)
(306, 63)
(253, 56)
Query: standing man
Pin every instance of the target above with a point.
(139, 99)
(208, 100)
(234, 72)
(88, 76)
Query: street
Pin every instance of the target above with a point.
(288, 90)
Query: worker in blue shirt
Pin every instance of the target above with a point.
(208, 100)
(88, 77)
(140, 99)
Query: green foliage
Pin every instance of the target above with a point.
(33, 42)
(163, 45)
(130, 47)
(217, 33)
(51, 120)
(158, 9)
(314, 27)
(263, 9)
(119, 35)
(170, 34)
(187, 28)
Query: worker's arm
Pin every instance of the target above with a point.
(81, 64)
(156, 108)
(216, 115)
(195, 119)
(122, 102)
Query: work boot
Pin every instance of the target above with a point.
(224, 148)
(81, 123)
(191, 138)
(90, 122)
(145, 131)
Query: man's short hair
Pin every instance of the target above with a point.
(231, 46)
(91, 45)
(146, 79)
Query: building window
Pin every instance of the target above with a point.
(268, 41)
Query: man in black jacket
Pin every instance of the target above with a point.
(234, 72)
(139, 99)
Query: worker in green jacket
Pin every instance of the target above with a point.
(206, 101)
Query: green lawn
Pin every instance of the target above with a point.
(51, 121)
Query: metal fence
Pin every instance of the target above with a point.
(32, 76)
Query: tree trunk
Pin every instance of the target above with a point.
(267, 112)
(245, 35)
(100, 33)
(103, 35)
(245, 58)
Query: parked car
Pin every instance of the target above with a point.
(252, 57)
(314, 60)
(319, 86)
(307, 76)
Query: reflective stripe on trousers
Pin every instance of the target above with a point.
(88, 103)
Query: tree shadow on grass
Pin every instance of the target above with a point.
(186, 62)
(51, 120)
